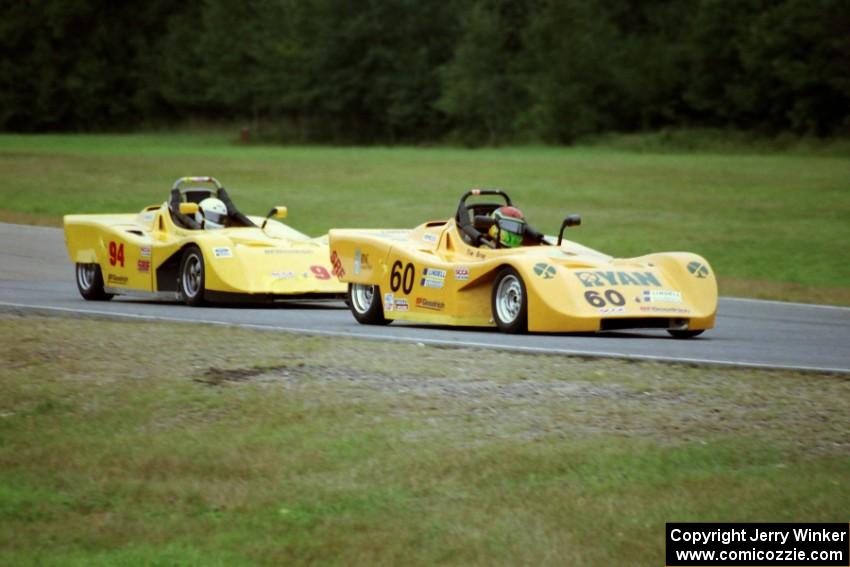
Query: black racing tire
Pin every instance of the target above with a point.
(366, 304)
(191, 280)
(509, 302)
(90, 283)
(685, 334)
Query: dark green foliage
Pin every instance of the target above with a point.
(479, 71)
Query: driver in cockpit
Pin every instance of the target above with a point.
(212, 213)
(509, 227)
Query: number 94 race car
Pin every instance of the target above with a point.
(197, 247)
(487, 267)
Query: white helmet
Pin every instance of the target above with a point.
(212, 213)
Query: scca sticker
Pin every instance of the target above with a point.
(462, 273)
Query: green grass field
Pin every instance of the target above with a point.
(774, 225)
(138, 444)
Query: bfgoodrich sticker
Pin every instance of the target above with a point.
(428, 304)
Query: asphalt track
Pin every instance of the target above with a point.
(36, 274)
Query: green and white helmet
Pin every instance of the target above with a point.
(509, 226)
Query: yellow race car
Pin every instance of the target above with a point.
(487, 267)
(197, 247)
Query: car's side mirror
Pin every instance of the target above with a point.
(189, 209)
(276, 212)
(571, 220)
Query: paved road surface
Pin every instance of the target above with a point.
(35, 273)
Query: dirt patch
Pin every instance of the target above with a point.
(660, 406)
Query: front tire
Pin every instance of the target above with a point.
(685, 334)
(90, 283)
(192, 277)
(510, 302)
(366, 305)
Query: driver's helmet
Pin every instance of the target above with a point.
(509, 226)
(212, 213)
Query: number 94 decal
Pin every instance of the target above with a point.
(610, 297)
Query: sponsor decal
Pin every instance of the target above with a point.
(113, 279)
(361, 261)
(388, 302)
(462, 273)
(283, 275)
(144, 266)
(428, 237)
(433, 278)
(286, 251)
(655, 309)
(428, 304)
(698, 270)
(398, 235)
(544, 270)
(401, 305)
(661, 295)
(602, 279)
(337, 265)
(611, 310)
(145, 251)
(223, 252)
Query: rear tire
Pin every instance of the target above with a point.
(192, 278)
(510, 302)
(366, 304)
(90, 283)
(685, 334)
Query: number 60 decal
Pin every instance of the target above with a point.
(612, 296)
(402, 278)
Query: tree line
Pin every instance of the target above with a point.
(412, 71)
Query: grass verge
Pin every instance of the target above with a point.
(132, 443)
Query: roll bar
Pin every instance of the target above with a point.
(192, 179)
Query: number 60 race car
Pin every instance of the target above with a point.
(197, 247)
(464, 271)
